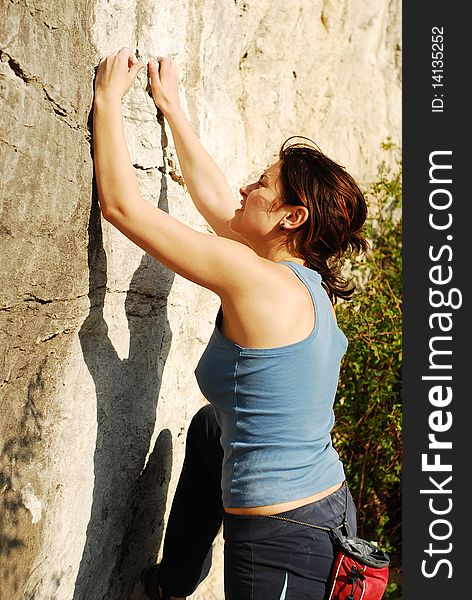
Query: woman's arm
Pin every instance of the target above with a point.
(220, 264)
(205, 182)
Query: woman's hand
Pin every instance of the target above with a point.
(116, 74)
(164, 83)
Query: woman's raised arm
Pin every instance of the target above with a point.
(205, 182)
(220, 264)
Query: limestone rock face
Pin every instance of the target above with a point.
(98, 340)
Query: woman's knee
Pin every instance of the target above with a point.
(204, 431)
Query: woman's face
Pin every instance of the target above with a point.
(261, 209)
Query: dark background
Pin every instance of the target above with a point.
(424, 132)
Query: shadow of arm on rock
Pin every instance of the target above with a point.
(127, 392)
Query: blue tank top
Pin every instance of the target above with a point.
(275, 408)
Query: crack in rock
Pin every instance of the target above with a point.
(143, 168)
(36, 82)
(33, 298)
(57, 108)
(51, 336)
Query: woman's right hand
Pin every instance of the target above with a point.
(164, 83)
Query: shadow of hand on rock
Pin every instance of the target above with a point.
(126, 522)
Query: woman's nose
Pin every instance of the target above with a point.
(247, 189)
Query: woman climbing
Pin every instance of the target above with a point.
(262, 445)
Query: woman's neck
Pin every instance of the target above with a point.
(276, 252)
(280, 255)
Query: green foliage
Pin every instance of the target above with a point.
(367, 433)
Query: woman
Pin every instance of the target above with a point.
(262, 446)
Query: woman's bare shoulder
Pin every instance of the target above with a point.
(275, 311)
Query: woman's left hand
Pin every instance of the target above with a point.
(116, 74)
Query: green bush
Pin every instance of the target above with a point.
(367, 433)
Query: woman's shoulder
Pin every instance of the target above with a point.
(309, 275)
(278, 310)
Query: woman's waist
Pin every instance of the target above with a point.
(273, 509)
(327, 512)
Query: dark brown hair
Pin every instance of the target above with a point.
(337, 212)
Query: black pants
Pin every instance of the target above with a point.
(264, 559)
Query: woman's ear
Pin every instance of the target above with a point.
(295, 218)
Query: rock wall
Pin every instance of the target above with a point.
(98, 340)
